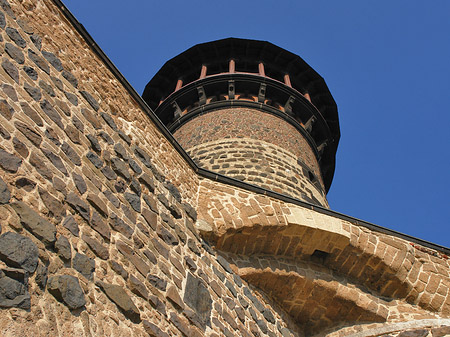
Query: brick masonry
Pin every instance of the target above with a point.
(255, 147)
(105, 230)
(334, 266)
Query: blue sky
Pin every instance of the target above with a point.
(386, 63)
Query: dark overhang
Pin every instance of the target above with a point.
(287, 81)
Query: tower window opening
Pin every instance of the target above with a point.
(274, 74)
(246, 67)
(217, 68)
(311, 176)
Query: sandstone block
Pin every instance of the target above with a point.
(118, 269)
(157, 282)
(55, 207)
(137, 287)
(98, 204)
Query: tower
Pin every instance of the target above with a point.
(252, 111)
(108, 227)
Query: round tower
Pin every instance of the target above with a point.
(252, 111)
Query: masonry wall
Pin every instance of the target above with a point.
(256, 147)
(331, 276)
(105, 230)
(97, 208)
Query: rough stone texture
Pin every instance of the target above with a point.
(168, 245)
(56, 161)
(15, 53)
(41, 276)
(62, 246)
(80, 184)
(66, 288)
(13, 294)
(118, 295)
(50, 111)
(120, 226)
(196, 295)
(95, 160)
(16, 37)
(100, 250)
(97, 203)
(99, 225)
(54, 206)
(53, 60)
(84, 265)
(153, 330)
(5, 195)
(39, 61)
(78, 205)
(18, 251)
(9, 162)
(38, 226)
(11, 70)
(71, 225)
(173, 295)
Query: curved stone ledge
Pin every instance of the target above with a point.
(319, 299)
(240, 222)
(314, 297)
(437, 327)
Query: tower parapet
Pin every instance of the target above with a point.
(252, 111)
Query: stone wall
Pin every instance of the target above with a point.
(97, 208)
(325, 272)
(262, 164)
(106, 230)
(255, 147)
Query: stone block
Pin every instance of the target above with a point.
(196, 296)
(84, 265)
(13, 294)
(120, 226)
(100, 250)
(5, 195)
(39, 227)
(9, 162)
(63, 248)
(67, 289)
(18, 251)
(123, 301)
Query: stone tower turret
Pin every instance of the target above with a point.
(252, 111)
